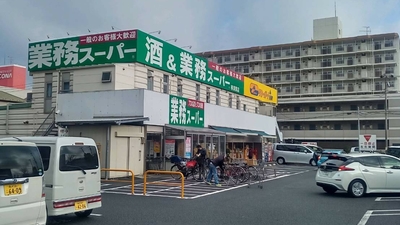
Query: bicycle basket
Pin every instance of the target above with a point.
(191, 164)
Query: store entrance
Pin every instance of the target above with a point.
(182, 141)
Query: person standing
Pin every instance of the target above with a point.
(212, 172)
(201, 156)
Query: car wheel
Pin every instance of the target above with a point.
(357, 188)
(84, 213)
(312, 162)
(280, 160)
(329, 190)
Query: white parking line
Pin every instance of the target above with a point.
(244, 185)
(387, 199)
(365, 218)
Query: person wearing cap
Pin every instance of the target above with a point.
(201, 156)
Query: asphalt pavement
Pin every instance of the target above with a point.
(285, 200)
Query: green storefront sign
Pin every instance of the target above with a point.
(159, 54)
(186, 112)
(130, 46)
(97, 49)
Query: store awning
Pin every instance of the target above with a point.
(117, 121)
(196, 130)
(252, 132)
(228, 131)
(241, 132)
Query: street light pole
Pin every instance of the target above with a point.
(359, 128)
(386, 109)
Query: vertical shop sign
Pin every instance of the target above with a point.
(186, 112)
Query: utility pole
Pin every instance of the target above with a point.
(359, 128)
(386, 111)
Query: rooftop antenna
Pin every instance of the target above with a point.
(367, 30)
(335, 8)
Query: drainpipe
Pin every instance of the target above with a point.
(7, 118)
(107, 161)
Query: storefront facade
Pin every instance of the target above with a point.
(158, 132)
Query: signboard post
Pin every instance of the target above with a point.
(367, 143)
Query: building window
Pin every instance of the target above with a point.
(296, 109)
(353, 107)
(244, 107)
(227, 58)
(339, 87)
(66, 87)
(65, 82)
(389, 57)
(150, 80)
(237, 102)
(106, 77)
(339, 73)
(297, 127)
(353, 126)
(166, 84)
(217, 98)
(339, 61)
(208, 95)
(381, 126)
(311, 109)
(277, 77)
(49, 90)
(277, 53)
(326, 88)
(179, 87)
(230, 101)
(256, 110)
(277, 66)
(339, 48)
(313, 127)
(337, 108)
(378, 59)
(338, 126)
(377, 45)
(380, 106)
(389, 70)
(389, 43)
(198, 92)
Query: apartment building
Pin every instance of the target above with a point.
(328, 84)
(140, 97)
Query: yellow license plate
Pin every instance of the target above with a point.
(12, 189)
(80, 205)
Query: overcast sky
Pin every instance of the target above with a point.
(205, 25)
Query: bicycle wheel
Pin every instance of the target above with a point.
(175, 168)
(239, 174)
(253, 173)
(229, 177)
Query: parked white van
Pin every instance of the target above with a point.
(72, 174)
(22, 197)
(293, 153)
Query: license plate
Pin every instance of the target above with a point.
(80, 205)
(12, 189)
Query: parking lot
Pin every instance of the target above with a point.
(293, 193)
(165, 186)
(385, 210)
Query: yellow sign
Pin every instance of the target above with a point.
(259, 91)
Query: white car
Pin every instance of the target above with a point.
(359, 174)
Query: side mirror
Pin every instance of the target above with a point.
(305, 151)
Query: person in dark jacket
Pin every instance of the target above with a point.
(212, 172)
(201, 156)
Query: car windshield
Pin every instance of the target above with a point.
(78, 157)
(19, 162)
